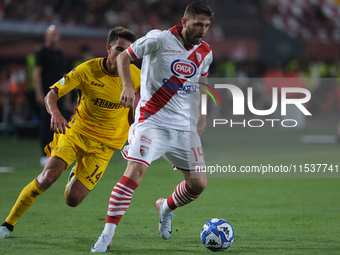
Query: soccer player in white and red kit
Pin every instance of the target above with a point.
(167, 120)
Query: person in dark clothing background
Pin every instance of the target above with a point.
(49, 67)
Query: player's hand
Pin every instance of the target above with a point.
(201, 125)
(59, 124)
(127, 98)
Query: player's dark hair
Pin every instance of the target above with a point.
(120, 32)
(196, 8)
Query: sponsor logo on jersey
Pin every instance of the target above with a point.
(144, 150)
(145, 139)
(179, 88)
(97, 84)
(62, 81)
(106, 104)
(172, 51)
(142, 39)
(183, 68)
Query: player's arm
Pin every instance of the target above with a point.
(58, 122)
(201, 118)
(39, 93)
(127, 98)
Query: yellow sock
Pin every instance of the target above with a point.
(26, 198)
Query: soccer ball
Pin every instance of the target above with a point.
(217, 234)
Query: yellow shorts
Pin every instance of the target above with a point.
(93, 157)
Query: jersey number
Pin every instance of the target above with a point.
(199, 152)
(94, 172)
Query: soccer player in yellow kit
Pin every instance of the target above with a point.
(98, 127)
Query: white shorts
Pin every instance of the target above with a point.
(182, 149)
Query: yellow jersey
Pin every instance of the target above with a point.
(98, 114)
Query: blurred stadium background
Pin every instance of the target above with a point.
(249, 38)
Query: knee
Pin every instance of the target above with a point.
(72, 201)
(75, 193)
(46, 180)
(135, 171)
(51, 172)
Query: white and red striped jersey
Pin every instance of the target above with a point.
(169, 78)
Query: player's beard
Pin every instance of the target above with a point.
(191, 37)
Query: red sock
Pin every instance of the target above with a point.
(120, 199)
(182, 195)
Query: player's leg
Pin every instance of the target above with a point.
(62, 153)
(122, 192)
(184, 154)
(197, 182)
(185, 192)
(87, 172)
(146, 144)
(120, 200)
(75, 192)
(30, 193)
(92, 159)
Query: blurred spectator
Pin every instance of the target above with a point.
(315, 20)
(17, 88)
(49, 68)
(143, 14)
(85, 55)
(30, 92)
(307, 20)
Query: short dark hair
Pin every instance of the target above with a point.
(196, 8)
(120, 32)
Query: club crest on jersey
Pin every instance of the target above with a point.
(183, 68)
(144, 150)
(62, 81)
(199, 57)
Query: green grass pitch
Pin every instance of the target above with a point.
(269, 215)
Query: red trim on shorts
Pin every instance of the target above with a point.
(135, 159)
(187, 170)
